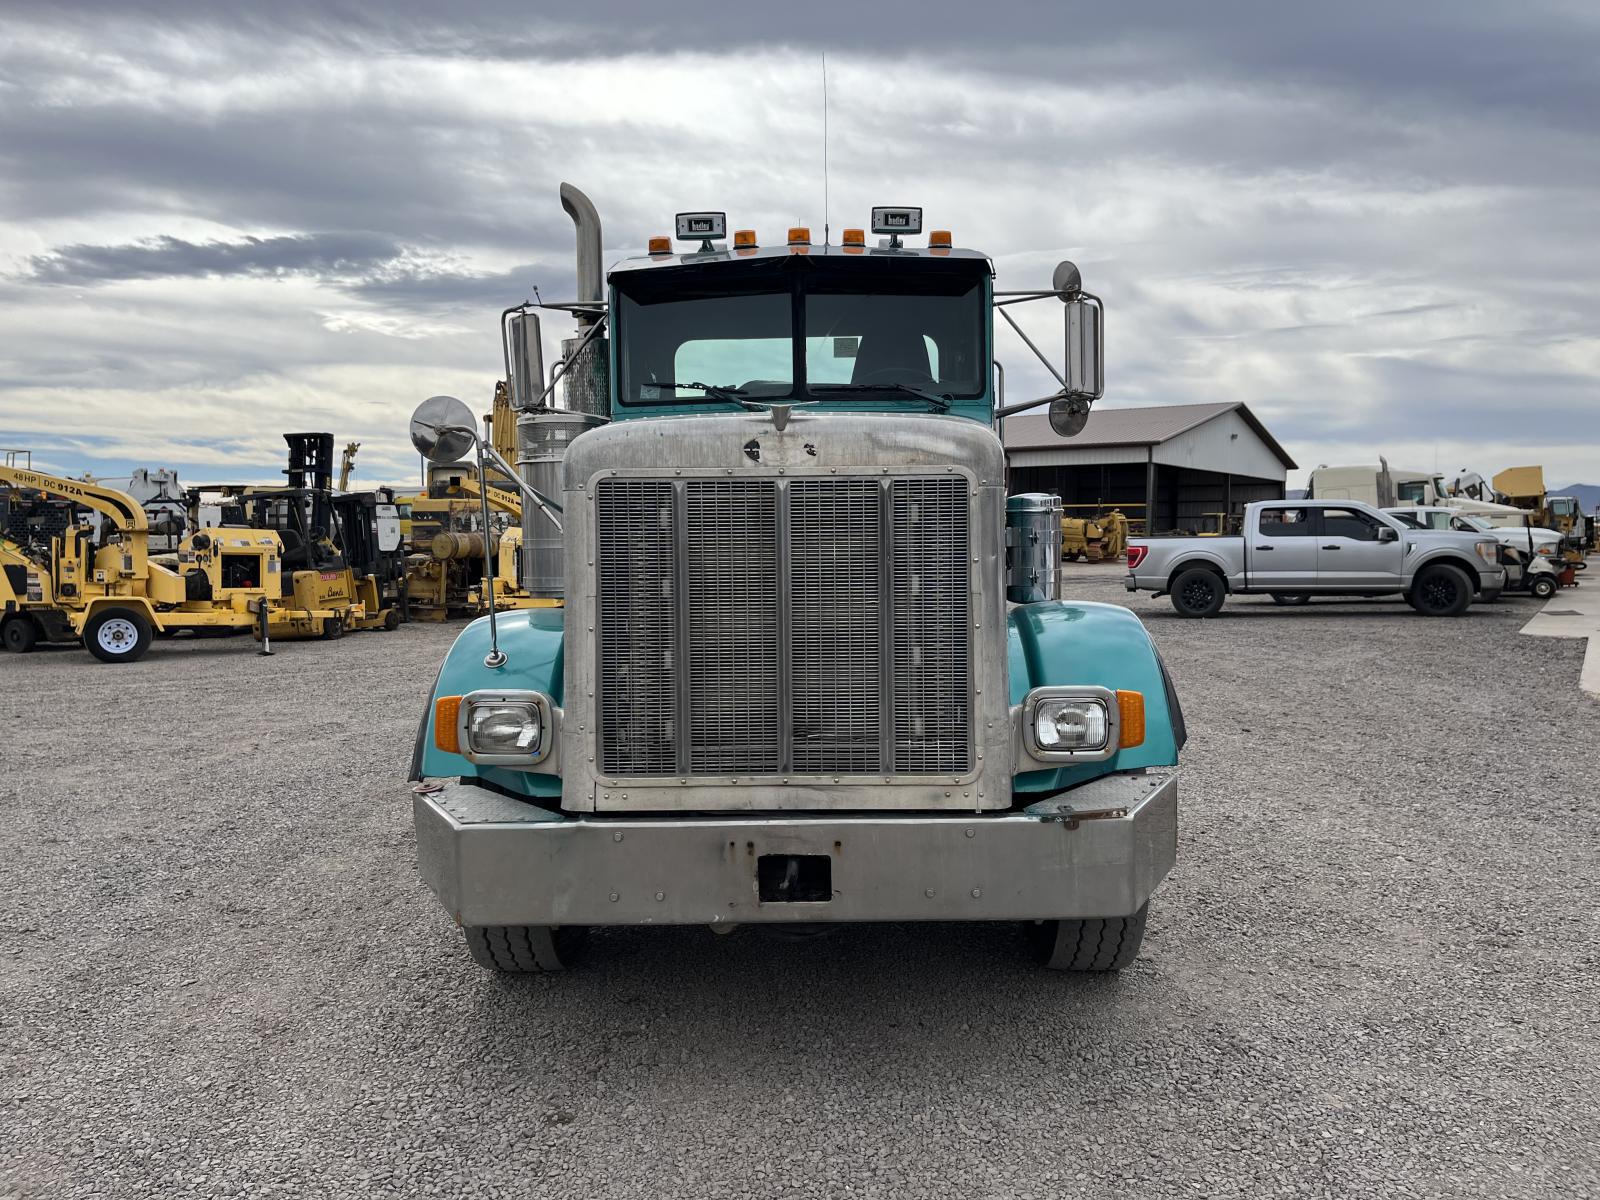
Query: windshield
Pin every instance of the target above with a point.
(777, 331)
(1471, 525)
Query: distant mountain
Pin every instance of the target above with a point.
(1588, 494)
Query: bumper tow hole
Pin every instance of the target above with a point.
(794, 878)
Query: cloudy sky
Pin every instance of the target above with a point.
(1376, 224)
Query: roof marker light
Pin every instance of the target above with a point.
(939, 239)
(744, 239)
(660, 245)
(854, 237)
(800, 235)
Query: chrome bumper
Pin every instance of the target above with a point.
(1098, 850)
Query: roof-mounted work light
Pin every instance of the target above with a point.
(702, 225)
(896, 221)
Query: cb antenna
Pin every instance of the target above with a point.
(826, 236)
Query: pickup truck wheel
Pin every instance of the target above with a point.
(19, 634)
(1106, 944)
(1198, 593)
(1543, 587)
(1441, 590)
(526, 949)
(1291, 599)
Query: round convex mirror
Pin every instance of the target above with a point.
(442, 429)
(1068, 415)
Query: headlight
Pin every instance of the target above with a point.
(1546, 551)
(504, 728)
(1488, 551)
(1070, 725)
(507, 729)
(1075, 724)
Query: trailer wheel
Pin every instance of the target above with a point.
(1544, 586)
(1441, 590)
(118, 635)
(1198, 592)
(19, 634)
(526, 949)
(1291, 599)
(391, 620)
(1104, 944)
(332, 629)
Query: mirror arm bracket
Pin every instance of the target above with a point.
(1037, 353)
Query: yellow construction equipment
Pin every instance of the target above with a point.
(113, 596)
(1100, 538)
(347, 464)
(1524, 488)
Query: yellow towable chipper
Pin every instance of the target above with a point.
(114, 597)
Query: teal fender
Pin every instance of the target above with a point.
(532, 642)
(1102, 645)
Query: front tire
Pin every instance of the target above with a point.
(1441, 590)
(1099, 945)
(526, 949)
(1543, 587)
(1198, 592)
(118, 635)
(1291, 599)
(19, 634)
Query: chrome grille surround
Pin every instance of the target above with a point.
(830, 633)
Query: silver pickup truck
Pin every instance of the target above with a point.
(1295, 549)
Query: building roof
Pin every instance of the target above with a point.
(1147, 426)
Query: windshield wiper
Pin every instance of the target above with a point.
(937, 399)
(715, 391)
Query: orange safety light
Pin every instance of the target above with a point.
(800, 235)
(660, 245)
(855, 237)
(446, 712)
(1130, 707)
(744, 239)
(939, 239)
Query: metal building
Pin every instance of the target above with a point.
(1176, 466)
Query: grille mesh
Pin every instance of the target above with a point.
(732, 619)
(931, 627)
(876, 573)
(638, 614)
(836, 556)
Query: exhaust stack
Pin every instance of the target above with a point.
(588, 376)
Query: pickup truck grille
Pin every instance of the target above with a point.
(765, 627)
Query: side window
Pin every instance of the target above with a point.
(1412, 493)
(1287, 522)
(1348, 523)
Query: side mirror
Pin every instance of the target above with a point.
(442, 429)
(527, 360)
(1085, 346)
(1388, 534)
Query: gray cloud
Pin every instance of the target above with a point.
(1374, 222)
(337, 254)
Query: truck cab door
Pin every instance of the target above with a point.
(1281, 551)
(1352, 552)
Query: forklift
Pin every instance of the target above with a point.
(343, 546)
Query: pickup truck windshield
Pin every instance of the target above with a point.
(776, 332)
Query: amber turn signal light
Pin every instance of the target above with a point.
(446, 713)
(1130, 708)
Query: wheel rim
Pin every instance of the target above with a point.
(1439, 592)
(117, 636)
(1197, 593)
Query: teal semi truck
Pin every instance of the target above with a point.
(799, 659)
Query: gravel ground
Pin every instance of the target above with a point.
(1373, 972)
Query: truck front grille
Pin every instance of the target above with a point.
(803, 627)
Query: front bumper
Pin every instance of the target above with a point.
(1098, 850)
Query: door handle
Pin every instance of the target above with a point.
(1263, 547)
(1333, 547)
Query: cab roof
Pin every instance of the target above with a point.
(697, 258)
